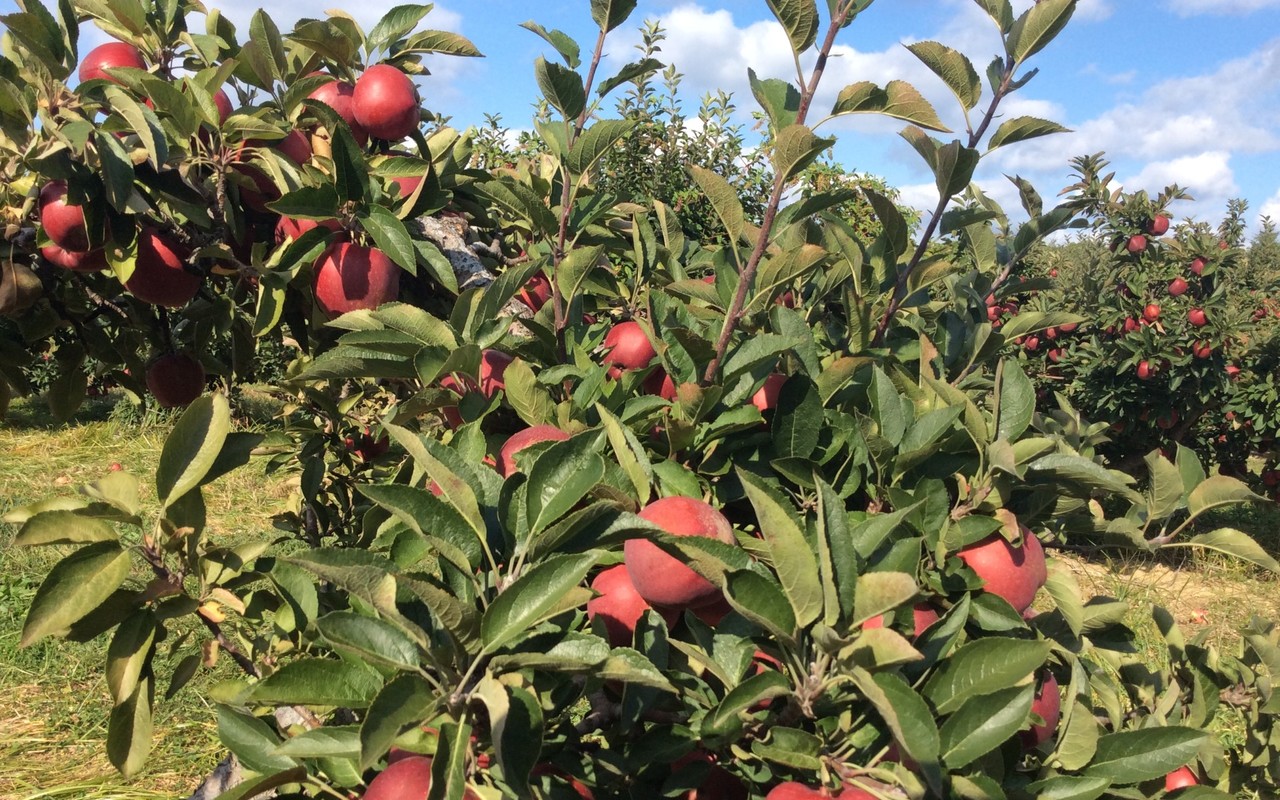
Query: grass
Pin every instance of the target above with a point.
(54, 703)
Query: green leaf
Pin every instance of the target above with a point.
(595, 141)
(320, 682)
(609, 14)
(761, 600)
(1219, 490)
(397, 23)
(432, 518)
(1078, 740)
(722, 719)
(574, 269)
(529, 398)
(261, 786)
(1142, 755)
(369, 639)
(908, 717)
(1000, 10)
(1017, 402)
(445, 42)
(515, 720)
(402, 704)
(983, 723)
(74, 587)
(1235, 543)
(954, 68)
(796, 148)
(129, 730)
(252, 740)
(524, 603)
(799, 19)
(797, 421)
(723, 198)
(63, 527)
(880, 592)
(564, 44)
(192, 447)
(1165, 486)
(897, 99)
(1020, 129)
(1038, 26)
(561, 87)
(117, 170)
(129, 653)
(789, 552)
(1078, 469)
(391, 237)
(561, 476)
(331, 741)
(628, 72)
(779, 99)
(982, 667)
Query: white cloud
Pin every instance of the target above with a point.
(1187, 8)
(1271, 208)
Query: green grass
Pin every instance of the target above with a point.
(54, 704)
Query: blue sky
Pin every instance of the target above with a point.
(1184, 91)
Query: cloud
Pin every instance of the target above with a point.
(1189, 8)
(1271, 208)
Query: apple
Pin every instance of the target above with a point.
(406, 779)
(111, 55)
(660, 578)
(519, 441)
(175, 380)
(159, 276)
(536, 293)
(766, 397)
(291, 228)
(1178, 287)
(295, 146)
(1070, 327)
(993, 313)
(351, 276)
(1051, 333)
(1202, 350)
(1048, 705)
(1197, 266)
(1032, 343)
(62, 222)
(385, 103)
(1167, 421)
(1146, 370)
(1137, 243)
(792, 790)
(1232, 371)
(619, 605)
(717, 783)
(660, 383)
(628, 348)
(1151, 313)
(1180, 778)
(922, 615)
(1196, 317)
(337, 95)
(1055, 355)
(92, 261)
(493, 365)
(1158, 226)
(1015, 573)
(1053, 273)
(1130, 325)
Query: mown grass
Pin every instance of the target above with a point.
(54, 703)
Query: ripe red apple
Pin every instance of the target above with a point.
(291, 228)
(1166, 421)
(1053, 273)
(660, 383)
(1158, 226)
(1146, 370)
(62, 222)
(385, 102)
(922, 615)
(1048, 704)
(1178, 287)
(766, 397)
(717, 784)
(1151, 312)
(493, 365)
(337, 95)
(792, 790)
(1032, 343)
(1137, 243)
(111, 55)
(175, 380)
(295, 146)
(536, 293)
(351, 276)
(1070, 327)
(158, 275)
(406, 779)
(619, 605)
(1055, 355)
(1051, 333)
(92, 261)
(1130, 325)
(1014, 573)
(1197, 266)
(628, 348)
(1196, 317)
(1180, 778)
(661, 579)
(521, 440)
(1202, 350)
(1232, 371)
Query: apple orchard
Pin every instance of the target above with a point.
(732, 480)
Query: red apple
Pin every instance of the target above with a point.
(295, 146)
(159, 276)
(111, 55)
(791, 790)
(619, 605)
(519, 441)
(493, 365)
(1180, 778)
(1196, 317)
(92, 261)
(1178, 287)
(337, 95)
(1151, 313)
(1197, 266)
(1070, 327)
(1014, 573)
(536, 293)
(1048, 705)
(385, 103)
(628, 348)
(1137, 243)
(62, 222)
(766, 397)
(660, 578)
(351, 277)
(1158, 226)
(1051, 333)
(291, 228)
(1032, 343)
(922, 615)
(660, 383)
(1203, 350)
(1232, 371)
(1055, 355)
(1146, 370)
(1130, 325)
(406, 779)
(175, 380)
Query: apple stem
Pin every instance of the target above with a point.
(734, 315)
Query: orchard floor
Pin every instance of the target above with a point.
(54, 704)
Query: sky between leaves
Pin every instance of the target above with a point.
(1184, 91)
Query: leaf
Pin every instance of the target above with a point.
(391, 236)
(1235, 543)
(1219, 490)
(1078, 740)
(369, 639)
(74, 587)
(595, 141)
(117, 170)
(129, 730)
(252, 740)
(761, 600)
(879, 592)
(983, 723)
(515, 719)
(331, 741)
(1142, 755)
(796, 148)
(1165, 490)
(129, 653)
(560, 478)
(897, 99)
(797, 420)
(609, 14)
(318, 681)
(954, 68)
(395, 24)
(1000, 10)
(1017, 402)
(525, 602)
(1038, 26)
(402, 704)
(445, 42)
(907, 715)
(628, 72)
(982, 667)
(564, 44)
(779, 99)
(63, 527)
(1078, 469)
(723, 198)
(561, 87)
(192, 447)
(722, 719)
(1020, 129)
(799, 19)
(789, 552)
(575, 267)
